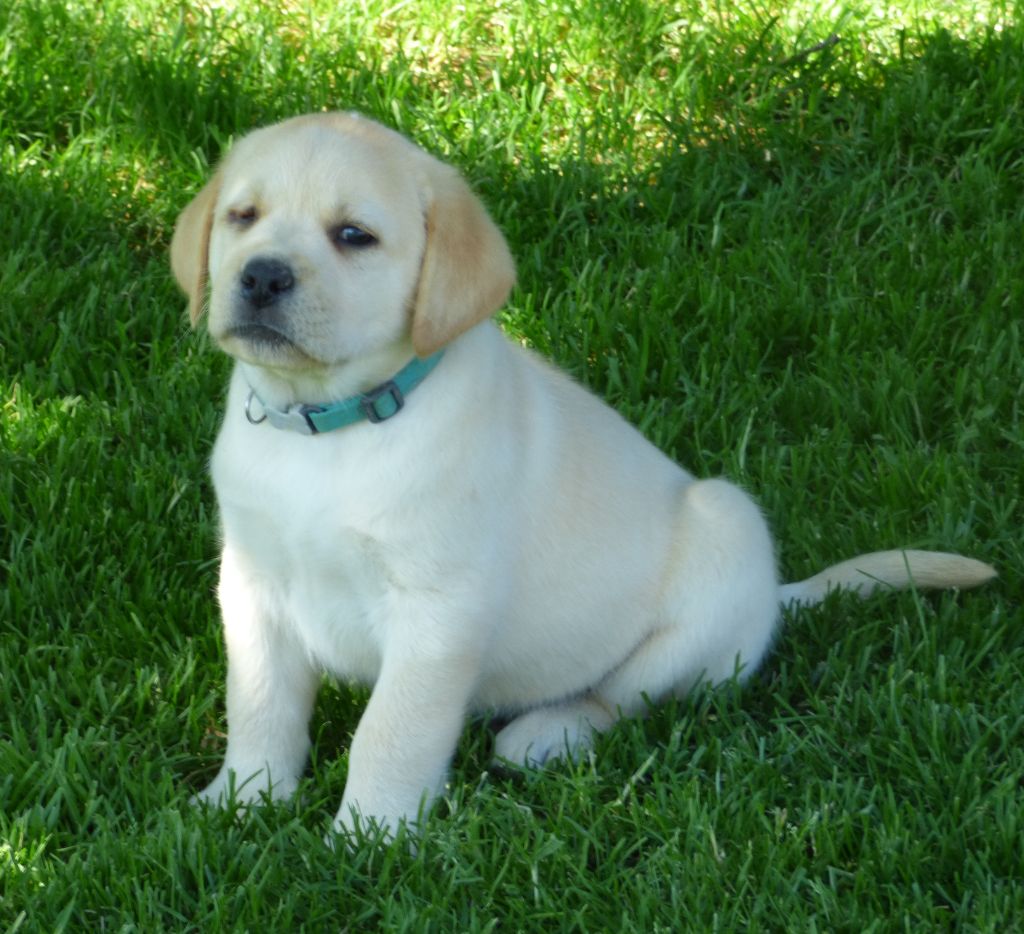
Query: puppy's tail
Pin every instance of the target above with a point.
(888, 570)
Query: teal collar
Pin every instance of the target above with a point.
(377, 405)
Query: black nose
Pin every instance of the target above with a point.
(264, 281)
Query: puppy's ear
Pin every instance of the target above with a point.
(467, 269)
(190, 247)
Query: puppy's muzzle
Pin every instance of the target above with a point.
(260, 316)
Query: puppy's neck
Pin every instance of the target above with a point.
(280, 387)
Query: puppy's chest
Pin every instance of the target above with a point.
(306, 528)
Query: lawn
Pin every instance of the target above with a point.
(785, 239)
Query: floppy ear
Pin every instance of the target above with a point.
(467, 269)
(190, 247)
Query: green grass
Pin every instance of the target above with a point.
(796, 262)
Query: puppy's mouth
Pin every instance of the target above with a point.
(259, 335)
(262, 343)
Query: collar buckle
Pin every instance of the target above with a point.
(305, 412)
(382, 403)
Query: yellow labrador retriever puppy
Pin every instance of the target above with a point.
(410, 500)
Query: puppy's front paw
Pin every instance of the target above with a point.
(352, 821)
(350, 828)
(228, 790)
(217, 794)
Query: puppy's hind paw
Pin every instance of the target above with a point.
(551, 733)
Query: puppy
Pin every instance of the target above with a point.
(410, 500)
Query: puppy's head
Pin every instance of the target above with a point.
(328, 237)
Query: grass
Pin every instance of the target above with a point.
(792, 260)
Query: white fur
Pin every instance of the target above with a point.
(507, 542)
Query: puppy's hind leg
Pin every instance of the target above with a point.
(717, 614)
(719, 607)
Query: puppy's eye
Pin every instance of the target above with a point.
(348, 235)
(243, 217)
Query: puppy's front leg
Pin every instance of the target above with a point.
(403, 744)
(271, 686)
